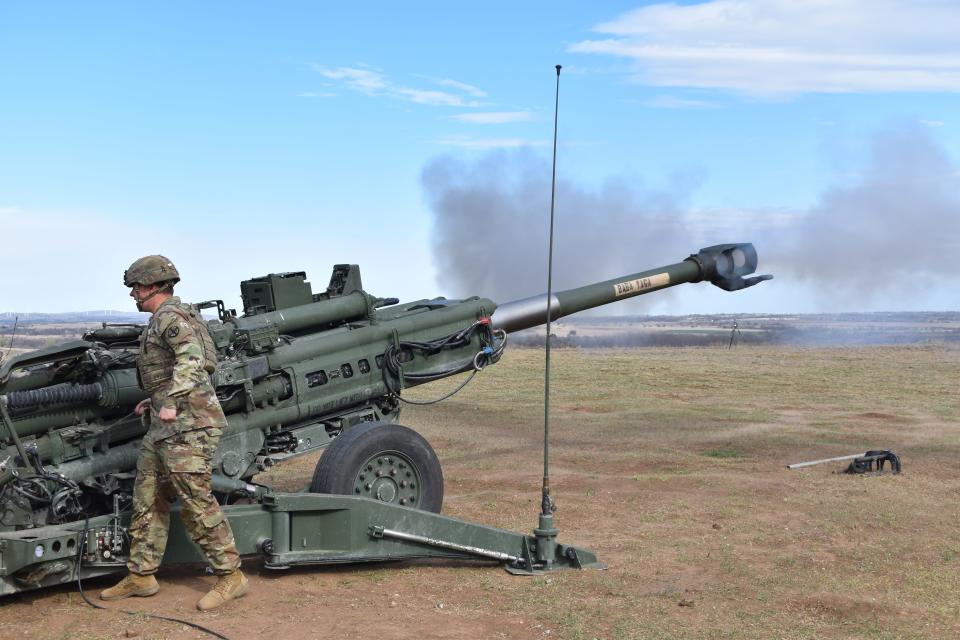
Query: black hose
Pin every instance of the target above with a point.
(66, 393)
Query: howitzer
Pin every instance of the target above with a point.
(296, 372)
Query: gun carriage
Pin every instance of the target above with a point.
(296, 372)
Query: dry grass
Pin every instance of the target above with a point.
(670, 464)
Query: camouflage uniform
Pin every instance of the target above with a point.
(176, 357)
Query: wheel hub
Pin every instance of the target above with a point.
(389, 477)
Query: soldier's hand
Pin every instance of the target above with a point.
(142, 407)
(167, 414)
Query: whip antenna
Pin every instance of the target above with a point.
(546, 504)
(545, 533)
(542, 553)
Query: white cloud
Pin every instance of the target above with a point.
(465, 142)
(374, 83)
(362, 80)
(461, 86)
(784, 47)
(673, 102)
(433, 98)
(932, 123)
(495, 117)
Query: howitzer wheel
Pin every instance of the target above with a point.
(381, 461)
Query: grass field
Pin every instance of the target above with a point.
(670, 465)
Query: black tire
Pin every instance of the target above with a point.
(382, 461)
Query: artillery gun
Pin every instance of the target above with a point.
(296, 372)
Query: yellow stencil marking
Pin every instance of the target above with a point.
(631, 287)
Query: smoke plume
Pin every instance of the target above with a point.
(491, 222)
(892, 231)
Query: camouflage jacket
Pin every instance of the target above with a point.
(174, 365)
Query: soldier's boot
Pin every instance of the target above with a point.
(229, 586)
(133, 584)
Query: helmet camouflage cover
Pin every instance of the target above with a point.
(151, 270)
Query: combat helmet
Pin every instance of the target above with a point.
(151, 270)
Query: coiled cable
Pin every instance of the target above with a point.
(394, 376)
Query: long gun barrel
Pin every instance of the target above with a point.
(724, 265)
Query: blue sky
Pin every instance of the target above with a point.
(245, 138)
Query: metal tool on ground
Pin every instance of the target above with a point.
(867, 462)
(874, 462)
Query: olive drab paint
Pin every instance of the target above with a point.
(295, 371)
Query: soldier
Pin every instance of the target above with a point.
(185, 423)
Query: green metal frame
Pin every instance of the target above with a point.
(286, 530)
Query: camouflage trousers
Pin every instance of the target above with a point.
(178, 467)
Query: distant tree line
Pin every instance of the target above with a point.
(782, 335)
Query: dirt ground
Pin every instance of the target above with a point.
(671, 465)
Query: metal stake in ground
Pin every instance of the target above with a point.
(733, 334)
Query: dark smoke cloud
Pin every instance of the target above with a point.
(892, 231)
(491, 221)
